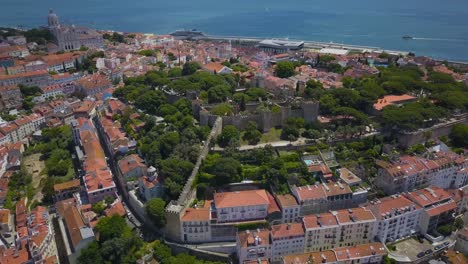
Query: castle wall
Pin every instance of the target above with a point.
(406, 140)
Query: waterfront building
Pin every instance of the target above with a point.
(280, 46)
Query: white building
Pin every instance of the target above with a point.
(338, 228)
(196, 225)
(397, 217)
(286, 239)
(290, 209)
(241, 205)
(445, 170)
(252, 245)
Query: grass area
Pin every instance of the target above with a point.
(271, 136)
(35, 167)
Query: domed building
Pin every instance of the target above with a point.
(72, 38)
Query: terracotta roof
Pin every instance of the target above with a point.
(360, 251)
(392, 99)
(24, 74)
(319, 220)
(116, 208)
(354, 215)
(74, 223)
(213, 67)
(316, 257)
(272, 206)
(388, 204)
(248, 238)
(241, 198)
(286, 230)
(437, 210)
(93, 81)
(428, 196)
(286, 200)
(98, 179)
(14, 256)
(4, 216)
(39, 235)
(131, 162)
(312, 192)
(67, 185)
(196, 214)
(51, 260)
(454, 257)
(55, 59)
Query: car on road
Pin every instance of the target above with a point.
(429, 251)
(421, 254)
(446, 243)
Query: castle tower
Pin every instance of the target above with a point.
(52, 19)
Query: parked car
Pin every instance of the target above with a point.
(446, 243)
(421, 254)
(429, 251)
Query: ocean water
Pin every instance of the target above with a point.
(440, 27)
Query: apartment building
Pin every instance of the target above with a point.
(241, 205)
(252, 245)
(397, 217)
(338, 228)
(444, 170)
(438, 207)
(328, 196)
(286, 239)
(290, 209)
(367, 253)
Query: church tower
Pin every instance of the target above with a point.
(52, 19)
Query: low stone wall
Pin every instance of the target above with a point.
(406, 140)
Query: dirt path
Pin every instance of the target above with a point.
(35, 166)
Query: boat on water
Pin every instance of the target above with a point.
(187, 34)
(407, 37)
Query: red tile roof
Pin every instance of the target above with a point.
(319, 220)
(286, 230)
(241, 198)
(196, 214)
(116, 208)
(392, 99)
(360, 251)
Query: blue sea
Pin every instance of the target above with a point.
(440, 27)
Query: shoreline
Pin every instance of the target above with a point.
(308, 43)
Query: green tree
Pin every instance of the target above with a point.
(284, 69)
(459, 135)
(155, 210)
(252, 135)
(226, 170)
(218, 93)
(112, 227)
(228, 134)
(190, 68)
(90, 254)
(99, 207)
